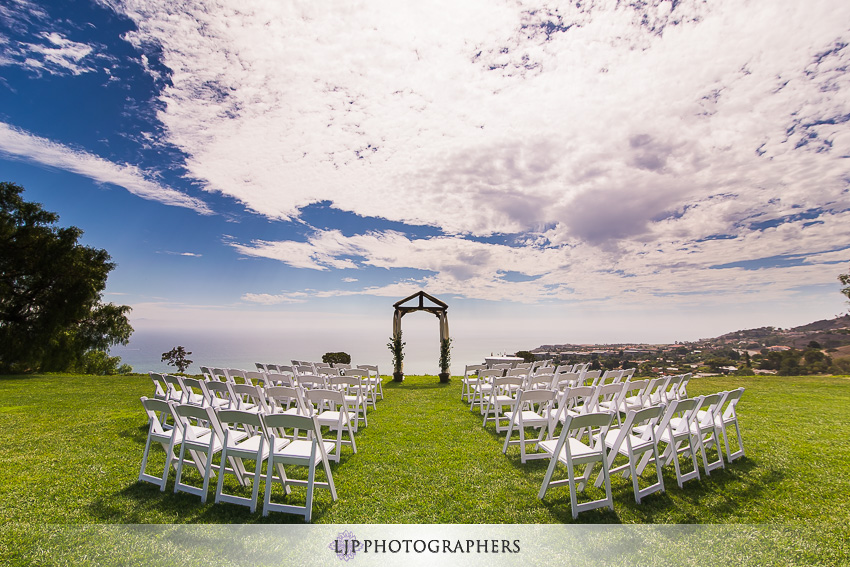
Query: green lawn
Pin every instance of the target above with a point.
(71, 448)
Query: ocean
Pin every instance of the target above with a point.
(240, 349)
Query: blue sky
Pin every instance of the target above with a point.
(556, 172)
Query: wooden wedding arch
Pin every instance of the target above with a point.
(435, 307)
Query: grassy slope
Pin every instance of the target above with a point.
(71, 448)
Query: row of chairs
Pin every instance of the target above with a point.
(189, 412)
(283, 375)
(477, 378)
(629, 419)
(236, 436)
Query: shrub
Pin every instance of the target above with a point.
(336, 358)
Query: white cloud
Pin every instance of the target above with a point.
(631, 147)
(17, 144)
(48, 51)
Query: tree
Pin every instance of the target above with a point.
(336, 358)
(51, 312)
(525, 355)
(177, 357)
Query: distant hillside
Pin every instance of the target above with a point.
(829, 333)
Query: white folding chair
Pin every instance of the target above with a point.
(353, 392)
(470, 379)
(572, 452)
(726, 417)
(332, 412)
(524, 414)
(482, 388)
(705, 431)
(307, 452)
(674, 430)
(199, 446)
(236, 448)
(376, 386)
(157, 433)
(502, 394)
(633, 439)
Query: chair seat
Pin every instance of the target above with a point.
(579, 450)
(528, 418)
(300, 450)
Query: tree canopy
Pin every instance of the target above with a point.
(51, 314)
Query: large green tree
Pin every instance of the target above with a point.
(51, 314)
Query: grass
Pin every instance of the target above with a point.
(71, 448)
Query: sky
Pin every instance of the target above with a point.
(277, 174)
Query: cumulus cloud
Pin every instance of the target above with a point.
(17, 144)
(630, 149)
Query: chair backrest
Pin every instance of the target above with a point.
(303, 369)
(370, 368)
(248, 395)
(677, 416)
(683, 385)
(506, 384)
(173, 383)
(218, 374)
(503, 367)
(538, 382)
(644, 421)
(672, 387)
(490, 373)
(282, 398)
(234, 373)
(629, 373)
(516, 372)
(240, 418)
(220, 391)
(590, 377)
(275, 379)
(155, 408)
(579, 399)
(160, 387)
(728, 411)
(545, 397)
(635, 388)
(346, 384)
(707, 410)
(311, 381)
(598, 422)
(185, 414)
(564, 380)
(328, 371)
(319, 397)
(608, 392)
(255, 377)
(193, 392)
(261, 367)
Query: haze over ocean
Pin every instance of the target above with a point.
(242, 350)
